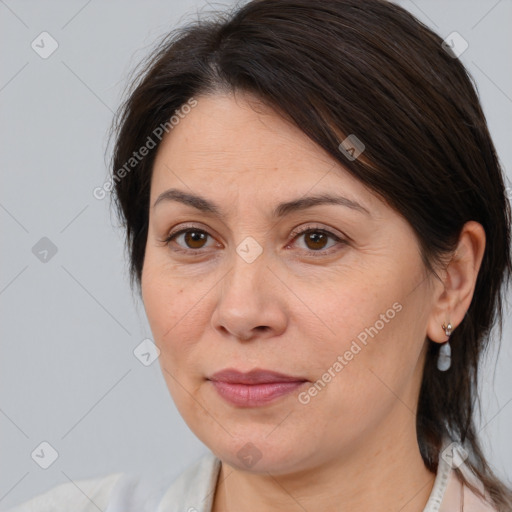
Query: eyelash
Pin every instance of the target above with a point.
(295, 234)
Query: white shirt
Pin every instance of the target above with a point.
(193, 491)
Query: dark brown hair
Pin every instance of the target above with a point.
(369, 68)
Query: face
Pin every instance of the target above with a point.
(332, 294)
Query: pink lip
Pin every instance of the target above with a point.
(254, 388)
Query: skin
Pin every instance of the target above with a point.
(295, 312)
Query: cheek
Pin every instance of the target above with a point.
(364, 346)
(172, 311)
(341, 308)
(176, 323)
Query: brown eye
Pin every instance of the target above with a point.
(195, 239)
(315, 240)
(191, 240)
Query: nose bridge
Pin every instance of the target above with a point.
(247, 298)
(248, 270)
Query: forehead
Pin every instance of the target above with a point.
(233, 144)
(231, 129)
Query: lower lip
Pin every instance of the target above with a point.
(254, 395)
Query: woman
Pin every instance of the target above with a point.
(317, 222)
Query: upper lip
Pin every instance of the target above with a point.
(256, 376)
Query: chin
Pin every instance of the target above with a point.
(260, 452)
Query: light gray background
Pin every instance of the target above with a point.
(69, 326)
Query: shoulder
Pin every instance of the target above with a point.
(85, 495)
(194, 488)
(469, 499)
(460, 496)
(129, 492)
(451, 491)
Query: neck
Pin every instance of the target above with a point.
(382, 472)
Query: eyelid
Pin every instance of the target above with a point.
(299, 230)
(185, 226)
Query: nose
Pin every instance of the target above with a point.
(251, 302)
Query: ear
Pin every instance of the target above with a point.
(454, 297)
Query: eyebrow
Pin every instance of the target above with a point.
(281, 210)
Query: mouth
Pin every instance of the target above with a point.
(255, 388)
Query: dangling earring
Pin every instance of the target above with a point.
(444, 360)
